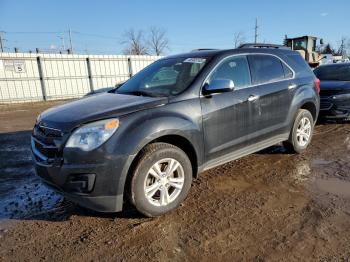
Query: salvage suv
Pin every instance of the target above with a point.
(144, 141)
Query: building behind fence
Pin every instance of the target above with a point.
(26, 77)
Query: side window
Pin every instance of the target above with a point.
(287, 72)
(235, 69)
(265, 68)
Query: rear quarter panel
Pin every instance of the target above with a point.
(304, 93)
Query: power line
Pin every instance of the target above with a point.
(60, 32)
(30, 32)
(97, 35)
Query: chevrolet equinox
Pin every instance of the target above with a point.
(145, 140)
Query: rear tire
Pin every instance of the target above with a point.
(301, 133)
(161, 180)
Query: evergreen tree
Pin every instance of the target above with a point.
(328, 50)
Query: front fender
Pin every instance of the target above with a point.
(139, 129)
(137, 137)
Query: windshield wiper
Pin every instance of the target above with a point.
(137, 93)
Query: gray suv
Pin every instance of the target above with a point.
(144, 141)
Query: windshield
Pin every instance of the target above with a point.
(166, 77)
(334, 72)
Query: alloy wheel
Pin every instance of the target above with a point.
(164, 182)
(303, 131)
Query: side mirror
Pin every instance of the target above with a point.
(218, 86)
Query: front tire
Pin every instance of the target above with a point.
(301, 133)
(161, 179)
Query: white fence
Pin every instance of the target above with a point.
(26, 77)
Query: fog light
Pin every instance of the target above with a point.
(81, 183)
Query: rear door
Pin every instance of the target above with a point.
(273, 90)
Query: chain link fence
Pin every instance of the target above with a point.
(27, 77)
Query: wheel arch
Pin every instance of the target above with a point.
(311, 107)
(176, 140)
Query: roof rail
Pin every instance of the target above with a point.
(250, 45)
(204, 49)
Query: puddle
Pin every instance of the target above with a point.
(334, 186)
(22, 195)
(14, 148)
(27, 199)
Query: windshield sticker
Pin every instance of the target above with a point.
(195, 60)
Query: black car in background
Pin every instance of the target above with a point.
(335, 91)
(144, 141)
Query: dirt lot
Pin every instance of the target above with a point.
(269, 206)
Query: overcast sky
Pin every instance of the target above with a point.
(97, 26)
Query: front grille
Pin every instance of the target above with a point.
(330, 92)
(46, 143)
(49, 151)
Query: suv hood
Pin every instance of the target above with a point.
(335, 85)
(100, 106)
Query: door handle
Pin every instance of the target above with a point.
(252, 98)
(292, 86)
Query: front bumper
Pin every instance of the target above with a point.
(335, 107)
(107, 204)
(94, 180)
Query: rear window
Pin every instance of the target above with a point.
(265, 68)
(334, 72)
(298, 63)
(287, 72)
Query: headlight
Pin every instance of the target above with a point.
(91, 136)
(341, 97)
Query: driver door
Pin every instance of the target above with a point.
(227, 117)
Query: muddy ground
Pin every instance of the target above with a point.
(271, 206)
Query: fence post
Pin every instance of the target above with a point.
(130, 67)
(41, 75)
(91, 83)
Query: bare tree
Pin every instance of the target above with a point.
(157, 41)
(344, 47)
(238, 38)
(134, 43)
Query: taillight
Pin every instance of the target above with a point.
(318, 85)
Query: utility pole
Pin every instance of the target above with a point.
(63, 46)
(70, 41)
(256, 31)
(1, 43)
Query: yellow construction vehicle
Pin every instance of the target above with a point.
(306, 46)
